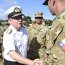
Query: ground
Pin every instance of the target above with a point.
(1, 62)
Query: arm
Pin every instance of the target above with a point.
(20, 58)
(24, 60)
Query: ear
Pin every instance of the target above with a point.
(54, 2)
(9, 20)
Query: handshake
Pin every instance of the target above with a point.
(38, 62)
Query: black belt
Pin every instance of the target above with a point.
(6, 62)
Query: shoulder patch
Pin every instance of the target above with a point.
(61, 41)
(62, 45)
(9, 31)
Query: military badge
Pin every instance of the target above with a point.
(17, 10)
(62, 45)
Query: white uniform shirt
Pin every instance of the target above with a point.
(15, 40)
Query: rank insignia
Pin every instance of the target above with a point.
(17, 10)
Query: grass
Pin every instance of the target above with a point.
(1, 62)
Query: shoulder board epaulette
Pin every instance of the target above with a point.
(9, 31)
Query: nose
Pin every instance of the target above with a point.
(20, 20)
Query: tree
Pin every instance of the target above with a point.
(48, 22)
(27, 20)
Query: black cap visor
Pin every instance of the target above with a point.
(46, 2)
(12, 15)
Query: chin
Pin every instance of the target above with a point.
(19, 26)
(53, 14)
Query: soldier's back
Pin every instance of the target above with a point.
(57, 51)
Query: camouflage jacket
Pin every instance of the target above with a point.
(55, 41)
(37, 39)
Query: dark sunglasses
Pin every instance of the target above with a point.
(17, 17)
(38, 17)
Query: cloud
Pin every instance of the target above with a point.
(10, 2)
(2, 11)
(5, 4)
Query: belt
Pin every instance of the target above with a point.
(6, 62)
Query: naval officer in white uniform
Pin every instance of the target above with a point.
(15, 40)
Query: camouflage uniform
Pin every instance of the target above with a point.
(2, 29)
(37, 39)
(55, 42)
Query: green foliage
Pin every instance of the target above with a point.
(27, 20)
(48, 22)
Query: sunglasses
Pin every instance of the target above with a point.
(38, 17)
(17, 17)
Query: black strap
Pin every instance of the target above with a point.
(6, 62)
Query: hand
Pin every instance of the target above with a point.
(45, 55)
(38, 62)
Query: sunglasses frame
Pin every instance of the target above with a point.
(38, 17)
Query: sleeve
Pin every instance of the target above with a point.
(52, 35)
(8, 42)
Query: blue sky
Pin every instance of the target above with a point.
(29, 7)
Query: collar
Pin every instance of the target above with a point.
(13, 29)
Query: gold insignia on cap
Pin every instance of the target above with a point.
(17, 10)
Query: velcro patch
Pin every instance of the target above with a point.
(62, 45)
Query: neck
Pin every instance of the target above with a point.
(18, 29)
(60, 7)
(59, 11)
(39, 23)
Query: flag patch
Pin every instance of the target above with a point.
(62, 45)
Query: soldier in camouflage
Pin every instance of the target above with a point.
(37, 36)
(55, 44)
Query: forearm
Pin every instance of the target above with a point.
(20, 58)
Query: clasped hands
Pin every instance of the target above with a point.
(38, 62)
